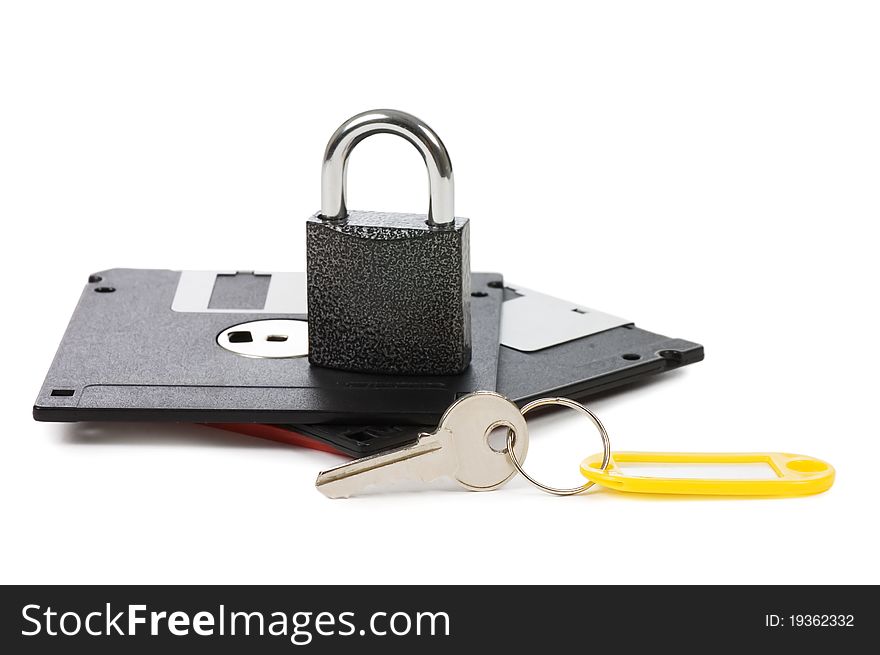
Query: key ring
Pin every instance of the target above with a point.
(571, 404)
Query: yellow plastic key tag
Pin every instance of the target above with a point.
(714, 474)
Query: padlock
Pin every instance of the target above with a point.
(388, 292)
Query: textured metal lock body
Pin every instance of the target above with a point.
(388, 292)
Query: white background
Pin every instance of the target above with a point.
(708, 170)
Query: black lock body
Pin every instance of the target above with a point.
(389, 293)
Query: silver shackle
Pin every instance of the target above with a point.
(334, 172)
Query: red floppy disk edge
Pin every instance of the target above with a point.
(277, 433)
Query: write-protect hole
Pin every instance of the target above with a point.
(496, 284)
(94, 279)
(64, 393)
(278, 338)
(243, 336)
(363, 437)
(631, 357)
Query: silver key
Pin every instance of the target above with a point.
(458, 448)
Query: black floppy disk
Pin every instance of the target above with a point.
(209, 347)
(549, 347)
